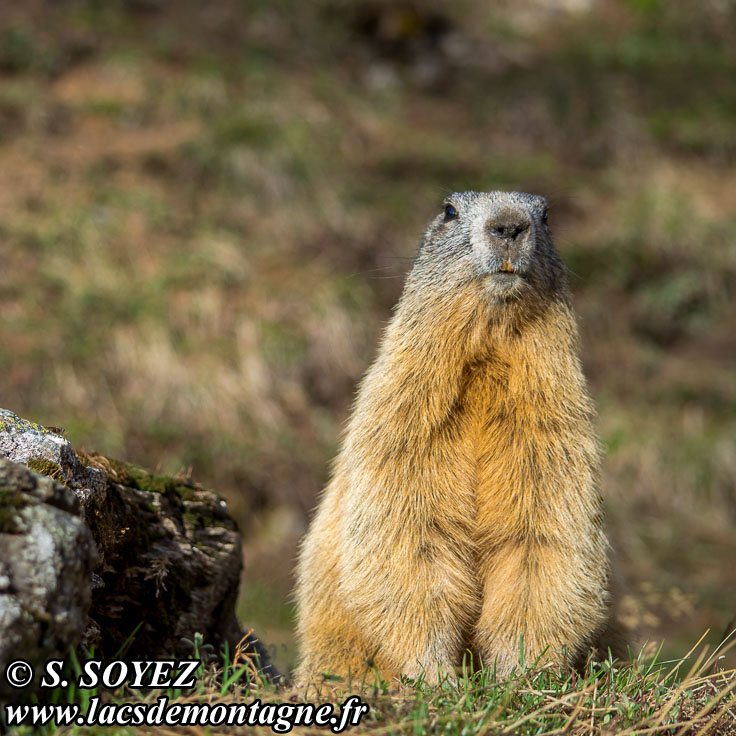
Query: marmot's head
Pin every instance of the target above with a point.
(498, 241)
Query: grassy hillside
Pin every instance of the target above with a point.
(645, 697)
(207, 209)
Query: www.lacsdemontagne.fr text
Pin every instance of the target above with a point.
(280, 717)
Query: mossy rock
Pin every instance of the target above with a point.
(12, 501)
(134, 476)
(169, 554)
(45, 467)
(171, 560)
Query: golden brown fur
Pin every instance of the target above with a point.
(463, 510)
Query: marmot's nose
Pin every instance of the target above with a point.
(508, 225)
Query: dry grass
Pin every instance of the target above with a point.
(690, 696)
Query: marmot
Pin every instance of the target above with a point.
(463, 511)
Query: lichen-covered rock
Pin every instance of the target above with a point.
(46, 451)
(170, 555)
(46, 559)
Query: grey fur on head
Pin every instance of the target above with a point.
(498, 238)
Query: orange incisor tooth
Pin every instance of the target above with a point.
(507, 267)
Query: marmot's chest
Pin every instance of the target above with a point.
(514, 455)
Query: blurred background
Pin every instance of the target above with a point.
(207, 210)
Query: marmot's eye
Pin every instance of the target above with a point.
(544, 217)
(450, 212)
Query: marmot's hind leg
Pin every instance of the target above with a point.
(334, 649)
(532, 608)
(330, 640)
